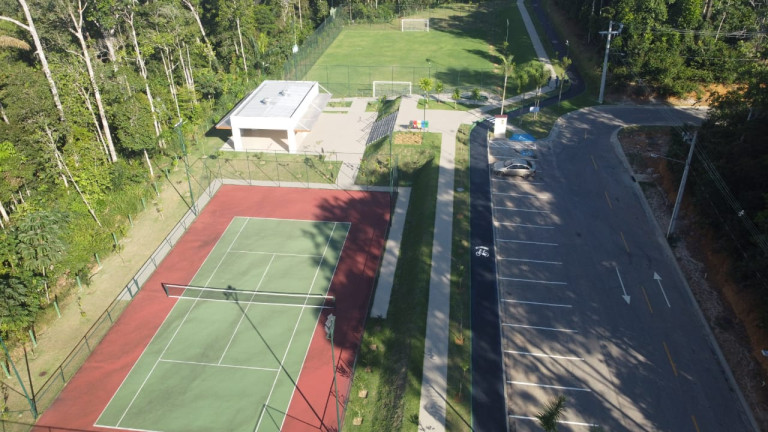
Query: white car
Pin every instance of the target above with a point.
(516, 167)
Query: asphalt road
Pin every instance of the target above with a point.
(590, 304)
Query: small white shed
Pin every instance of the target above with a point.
(290, 106)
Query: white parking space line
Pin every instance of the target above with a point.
(513, 181)
(529, 242)
(559, 357)
(548, 386)
(533, 280)
(524, 225)
(529, 260)
(540, 328)
(517, 195)
(519, 209)
(570, 423)
(537, 303)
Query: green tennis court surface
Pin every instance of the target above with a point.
(227, 358)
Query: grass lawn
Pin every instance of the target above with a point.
(459, 50)
(447, 105)
(389, 364)
(458, 414)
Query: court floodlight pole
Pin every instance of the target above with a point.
(330, 326)
(177, 126)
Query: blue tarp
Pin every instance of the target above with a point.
(522, 137)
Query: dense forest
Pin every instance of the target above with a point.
(90, 94)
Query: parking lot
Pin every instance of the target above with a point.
(544, 342)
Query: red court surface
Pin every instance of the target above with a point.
(313, 406)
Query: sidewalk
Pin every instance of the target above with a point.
(434, 379)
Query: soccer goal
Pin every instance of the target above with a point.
(414, 24)
(391, 88)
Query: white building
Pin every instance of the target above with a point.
(275, 113)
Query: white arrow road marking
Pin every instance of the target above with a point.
(658, 279)
(625, 296)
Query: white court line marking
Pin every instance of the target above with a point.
(330, 281)
(540, 328)
(219, 365)
(272, 253)
(519, 209)
(512, 194)
(293, 334)
(534, 281)
(572, 423)
(525, 225)
(537, 303)
(548, 386)
(528, 242)
(247, 306)
(170, 341)
(529, 260)
(158, 330)
(543, 355)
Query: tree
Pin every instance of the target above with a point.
(456, 96)
(30, 27)
(550, 415)
(39, 242)
(426, 85)
(78, 31)
(508, 67)
(438, 89)
(18, 305)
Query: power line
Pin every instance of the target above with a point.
(740, 34)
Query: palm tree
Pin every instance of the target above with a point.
(438, 89)
(508, 67)
(549, 416)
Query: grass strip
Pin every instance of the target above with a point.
(389, 365)
(459, 394)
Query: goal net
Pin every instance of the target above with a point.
(414, 24)
(391, 88)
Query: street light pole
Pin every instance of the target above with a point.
(506, 39)
(609, 33)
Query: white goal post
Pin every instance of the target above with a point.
(391, 88)
(414, 24)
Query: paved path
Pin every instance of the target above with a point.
(434, 379)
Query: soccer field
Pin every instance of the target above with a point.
(459, 50)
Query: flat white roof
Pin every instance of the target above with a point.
(274, 99)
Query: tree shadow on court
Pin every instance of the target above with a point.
(240, 298)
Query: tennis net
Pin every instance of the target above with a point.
(234, 295)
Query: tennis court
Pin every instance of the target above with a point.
(228, 333)
(230, 351)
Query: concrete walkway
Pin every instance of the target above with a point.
(434, 379)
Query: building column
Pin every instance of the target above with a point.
(292, 147)
(237, 140)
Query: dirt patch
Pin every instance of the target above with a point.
(408, 138)
(729, 310)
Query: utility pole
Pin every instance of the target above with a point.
(682, 187)
(610, 33)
